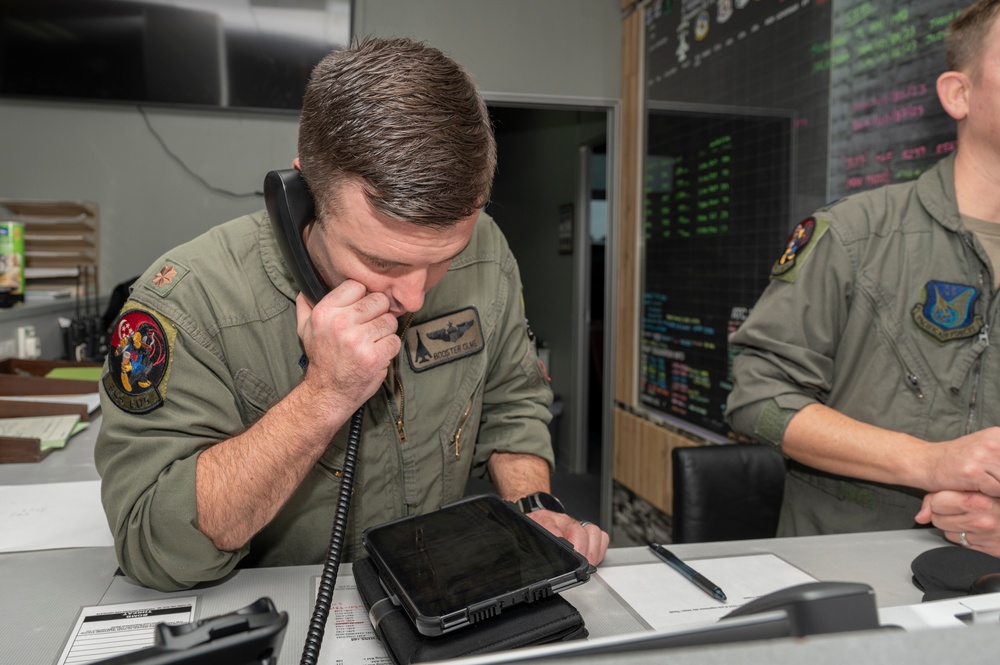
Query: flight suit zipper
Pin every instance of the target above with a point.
(911, 380)
(400, 428)
(984, 336)
(457, 439)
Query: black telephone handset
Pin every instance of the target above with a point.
(815, 608)
(290, 206)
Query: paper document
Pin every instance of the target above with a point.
(52, 516)
(52, 431)
(666, 599)
(350, 638)
(105, 631)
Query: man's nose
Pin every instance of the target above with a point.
(409, 291)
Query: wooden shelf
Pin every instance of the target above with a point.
(61, 243)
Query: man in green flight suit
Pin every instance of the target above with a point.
(869, 358)
(232, 453)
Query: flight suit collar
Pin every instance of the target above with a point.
(270, 255)
(936, 190)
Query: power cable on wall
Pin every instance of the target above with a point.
(187, 169)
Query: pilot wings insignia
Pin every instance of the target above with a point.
(451, 333)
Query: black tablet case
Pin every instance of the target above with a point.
(553, 619)
(420, 557)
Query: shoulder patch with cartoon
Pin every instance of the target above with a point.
(444, 339)
(139, 361)
(948, 311)
(798, 247)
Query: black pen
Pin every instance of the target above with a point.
(702, 582)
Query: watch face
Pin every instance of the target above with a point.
(543, 501)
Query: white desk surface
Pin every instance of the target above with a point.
(42, 592)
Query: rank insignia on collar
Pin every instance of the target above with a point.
(444, 339)
(137, 362)
(948, 311)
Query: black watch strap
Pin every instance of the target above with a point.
(540, 501)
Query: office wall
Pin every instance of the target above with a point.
(540, 47)
(108, 153)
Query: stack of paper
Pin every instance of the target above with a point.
(51, 431)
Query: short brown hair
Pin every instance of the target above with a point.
(966, 37)
(408, 122)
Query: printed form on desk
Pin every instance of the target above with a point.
(106, 631)
(666, 599)
(349, 633)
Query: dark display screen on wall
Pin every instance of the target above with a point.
(204, 53)
(714, 183)
(852, 82)
(753, 54)
(886, 123)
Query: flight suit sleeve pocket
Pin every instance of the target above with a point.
(255, 396)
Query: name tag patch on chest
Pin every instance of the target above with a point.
(444, 339)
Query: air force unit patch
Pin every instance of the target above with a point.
(798, 247)
(444, 339)
(138, 361)
(948, 311)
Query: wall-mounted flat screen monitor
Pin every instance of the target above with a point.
(238, 54)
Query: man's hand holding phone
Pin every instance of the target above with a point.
(349, 338)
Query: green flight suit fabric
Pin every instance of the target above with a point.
(884, 317)
(229, 300)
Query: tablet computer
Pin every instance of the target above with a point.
(469, 561)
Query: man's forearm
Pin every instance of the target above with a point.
(516, 475)
(243, 482)
(825, 439)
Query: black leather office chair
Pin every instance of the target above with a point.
(726, 492)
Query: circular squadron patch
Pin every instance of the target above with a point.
(137, 362)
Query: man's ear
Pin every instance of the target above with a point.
(953, 91)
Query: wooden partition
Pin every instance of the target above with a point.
(641, 447)
(642, 458)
